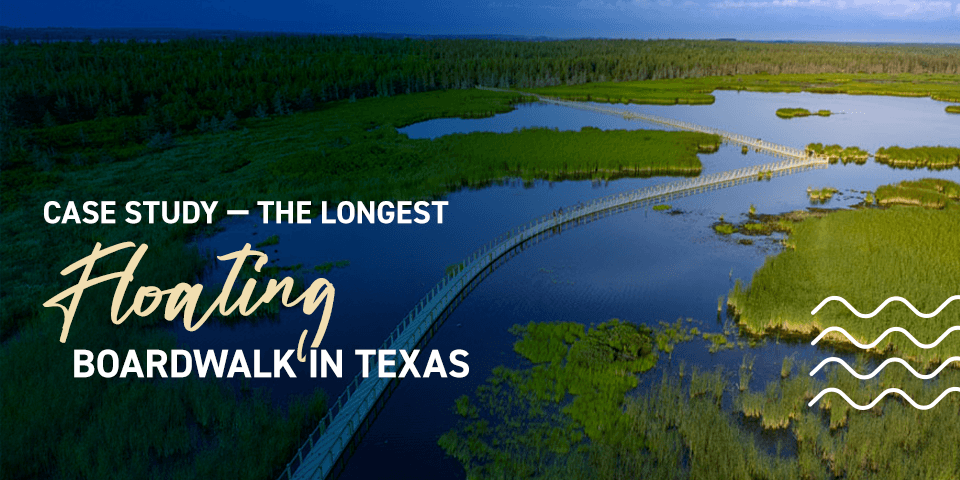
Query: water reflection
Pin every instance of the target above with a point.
(641, 266)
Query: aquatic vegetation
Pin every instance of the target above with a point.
(763, 224)
(928, 157)
(717, 341)
(589, 153)
(696, 91)
(787, 367)
(894, 440)
(724, 228)
(800, 112)
(523, 424)
(661, 207)
(325, 268)
(764, 174)
(927, 193)
(271, 240)
(837, 153)
(953, 109)
(746, 371)
(792, 112)
(680, 427)
(744, 149)
(821, 195)
(832, 255)
(675, 430)
(670, 335)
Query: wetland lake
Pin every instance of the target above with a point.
(643, 266)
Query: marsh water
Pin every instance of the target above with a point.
(641, 265)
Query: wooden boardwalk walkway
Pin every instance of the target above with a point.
(755, 143)
(328, 447)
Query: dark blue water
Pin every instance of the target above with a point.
(641, 266)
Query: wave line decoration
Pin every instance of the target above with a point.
(882, 366)
(883, 335)
(883, 305)
(880, 397)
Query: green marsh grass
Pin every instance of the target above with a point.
(837, 153)
(927, 193)
(697, 91)
(746, 371)
(271, 240)
(933, 158)
(325, 268)
(679, 427)
(661, 208)
(953, 109)
(792, 112)
(821, 195)
(725, 228)
(801, 112)
(864, 256)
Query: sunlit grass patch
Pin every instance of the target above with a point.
(933, 158)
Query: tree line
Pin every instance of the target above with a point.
(182, 84)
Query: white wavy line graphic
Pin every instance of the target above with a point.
(883, 365)
(880, 397)
(866, 346)
(883, 305)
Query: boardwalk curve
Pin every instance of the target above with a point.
(349, 417)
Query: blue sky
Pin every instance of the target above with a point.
(828, 20)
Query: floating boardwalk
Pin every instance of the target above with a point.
(755, 143)
(328, 447)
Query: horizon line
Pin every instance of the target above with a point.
(489, 36)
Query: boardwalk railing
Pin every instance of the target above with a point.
(322, 453)
(755, 143)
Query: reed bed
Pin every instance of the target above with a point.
(933, 158)
(864, 256)
(679, 428)
(836, 153)
(801, 112)
(697, 91)
(927, 193)
(821, 195)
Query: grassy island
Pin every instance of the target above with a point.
(821, 195)
(697, 91)
(589, 153)
(953, 109)
(838, 153)
(927, 157)
(927, 193)
(864, 256)
(801, 112)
